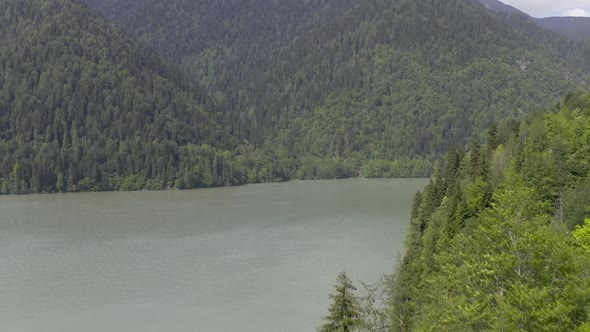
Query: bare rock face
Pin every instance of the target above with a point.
(523, 63)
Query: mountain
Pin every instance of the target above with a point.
(494, 232)
(84, 107)
(363, 80)
(495, 240)
(501, 7)
(212, 39)
(405, 79)
(575, 28)
(237, 92)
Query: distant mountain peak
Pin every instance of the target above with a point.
(575, 28)
(501, 7)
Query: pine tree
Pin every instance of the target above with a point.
(416, 205)
(344, 311)
(492, 141)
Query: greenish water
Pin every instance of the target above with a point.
(253, 258)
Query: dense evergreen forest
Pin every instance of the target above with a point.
(367, 80)
(575, 28)
(187, 94)
(491, 244)
(499, 240)
(83, 107)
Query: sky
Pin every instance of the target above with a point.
(545, 8)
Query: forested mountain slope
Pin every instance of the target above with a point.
(366, 80)
(491, 245)
(501, 7)
(576, 28)
(82, 106)
(217, 38)
(260, 91)
(391, 79)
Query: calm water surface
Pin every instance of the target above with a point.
(252, 258)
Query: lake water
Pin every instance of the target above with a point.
(252, 258)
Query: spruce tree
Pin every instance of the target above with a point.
(492, 141)
(344, 313)
(416, 205)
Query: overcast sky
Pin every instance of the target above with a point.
(544, 8)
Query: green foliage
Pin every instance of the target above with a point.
(388, 88)
(575, 205)
(582, 234)
(475, 198)
(405, 168)
(344, 311)
(500, 255)
(370, 81)
(374, 312)
(514, 272)
(84, 108)
(575, 28)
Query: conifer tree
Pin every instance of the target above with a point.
(416, 205)
(344, 311)
(492, 140)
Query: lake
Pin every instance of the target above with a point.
(251, 258)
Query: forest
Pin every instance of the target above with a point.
(364, 80)
(498, 241)
(107, 95)
(101, 95)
